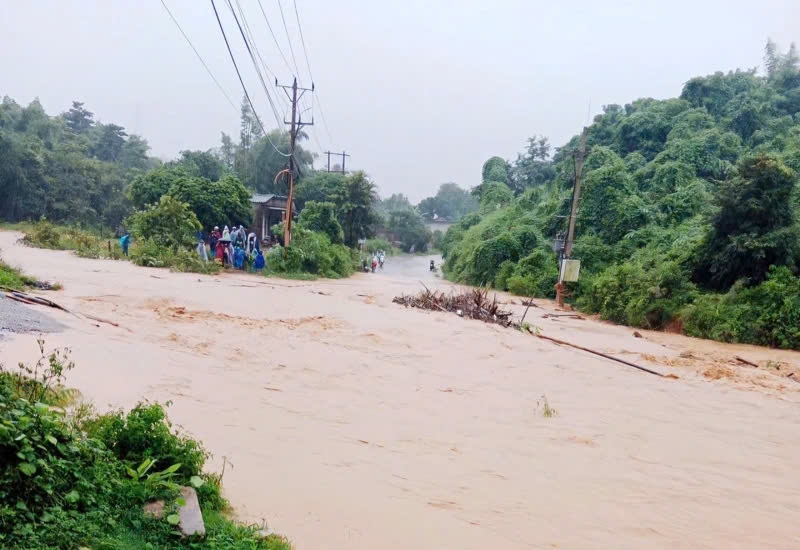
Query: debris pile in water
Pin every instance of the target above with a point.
(474, 304)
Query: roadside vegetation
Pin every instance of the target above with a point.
(689, 214)
(80, 479)
(12, 278)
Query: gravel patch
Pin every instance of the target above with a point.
(17, 317)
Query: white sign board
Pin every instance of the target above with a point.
(570, 269)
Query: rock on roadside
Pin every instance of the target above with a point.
(191, 518)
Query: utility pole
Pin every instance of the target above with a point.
(580, 157)
(343, 154)
(295, 125)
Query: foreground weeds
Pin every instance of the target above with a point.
(79, 479)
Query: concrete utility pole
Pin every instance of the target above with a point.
(343, 154)
(580, 157)
(295, 125)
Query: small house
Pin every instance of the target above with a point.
(268, 210)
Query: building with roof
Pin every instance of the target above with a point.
(268, 210)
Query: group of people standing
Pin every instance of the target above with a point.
(233, 248)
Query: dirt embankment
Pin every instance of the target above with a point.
(352, 422)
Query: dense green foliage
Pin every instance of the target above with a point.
(408, 227)
(355, 197)
(321, 217)
(311, 253)
(80, 480)
(169, 224)
(681, 199)
(68, 168)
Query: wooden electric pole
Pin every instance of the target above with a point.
(294, 127)
(343, 154)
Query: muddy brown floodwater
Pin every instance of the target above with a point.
(352, 422)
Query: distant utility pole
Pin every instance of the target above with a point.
(342, 154)
(296, 124)
(580, 157)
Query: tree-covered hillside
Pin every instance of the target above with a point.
(688, 214)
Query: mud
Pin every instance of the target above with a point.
(352, 422)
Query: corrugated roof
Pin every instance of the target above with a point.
(261, 199)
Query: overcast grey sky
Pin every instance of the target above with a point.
(419, 92)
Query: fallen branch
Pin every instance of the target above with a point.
(601, 354)
(100, 320)
(475, 304)
(745, 361)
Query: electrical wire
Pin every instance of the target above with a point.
(221, 89)
(310, 73)
(255, 64)
(241, 80)
(252, 41)
(275, 38)
(289, 39)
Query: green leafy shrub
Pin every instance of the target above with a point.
(43, 234)
(312, 253)
(535, 275)
(321, 217)
(168, 224)
(145, 432)
(767, 314)
(373, 245)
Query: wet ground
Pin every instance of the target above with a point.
(353, 422)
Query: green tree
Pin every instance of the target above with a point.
(450, 202)
(109, 142)
(147, 189)
(78, 118)
(202, 164)
(755, 226)
(321, 217)
(226, 201)
(355, 201)
(169, 224)
(409, 228)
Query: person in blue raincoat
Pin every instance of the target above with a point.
(124, 243)
(259, 262)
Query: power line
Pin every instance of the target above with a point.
(302, 39)
(310, 74)
(221, 89)
(289, 39)
(255, 63)
(241, 80)
(249, 38)
(275, 38)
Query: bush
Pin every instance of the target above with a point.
(13, 278)
(43, 234)
(311, 253)
(321, 217)
(169, 224)
(535, 275)
(150, 254)
(767, 314)
(373, 245)
(644, 292)
(145, 432)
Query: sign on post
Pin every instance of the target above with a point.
(570, 269)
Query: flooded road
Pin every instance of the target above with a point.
(352, 422)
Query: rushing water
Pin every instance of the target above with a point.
(348, 421)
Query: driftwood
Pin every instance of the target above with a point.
(476, 304)
(745, 361)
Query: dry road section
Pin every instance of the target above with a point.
(348, 421)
